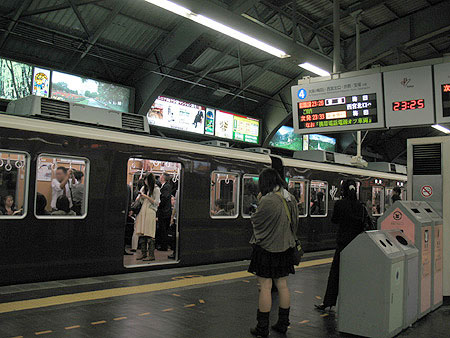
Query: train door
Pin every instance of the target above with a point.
(151, 235)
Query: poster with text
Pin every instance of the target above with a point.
(175, 114)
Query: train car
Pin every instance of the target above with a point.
(44, 165)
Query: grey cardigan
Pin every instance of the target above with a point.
(271, 226)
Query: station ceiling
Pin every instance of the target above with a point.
(135, 43)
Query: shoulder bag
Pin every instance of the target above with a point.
(298, 250)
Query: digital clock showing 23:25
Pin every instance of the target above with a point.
(408, 105)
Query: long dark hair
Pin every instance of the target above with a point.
(269, 179)
(149, 184)
(62, 203)
(349, 190)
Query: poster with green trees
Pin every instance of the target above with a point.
(15, 79)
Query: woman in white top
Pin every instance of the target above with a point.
(145, 225)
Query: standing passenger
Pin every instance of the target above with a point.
(146, 219)
(275, 225)
(396, 195)
(351, 216)
(164, 212)
(78, 193)
(60, 185)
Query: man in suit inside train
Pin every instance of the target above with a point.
(164, 212)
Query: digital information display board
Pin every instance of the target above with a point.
(442, 92)
(236, 127)
(408, 95)
(339, 105)
(171, 113)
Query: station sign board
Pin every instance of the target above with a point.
(408, 97)
(442, 92)
(338, 105)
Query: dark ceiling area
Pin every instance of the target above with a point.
(138, 44)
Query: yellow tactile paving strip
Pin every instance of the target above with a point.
(133, 290)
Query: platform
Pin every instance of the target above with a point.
(211, 301)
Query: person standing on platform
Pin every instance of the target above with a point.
(145, 225)
(60, 186)
(275, 225)
(164, 212)
(351, 216)
(396, 195)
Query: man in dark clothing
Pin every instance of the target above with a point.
(164, 212)
(396, 195)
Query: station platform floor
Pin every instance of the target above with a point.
(212, 301)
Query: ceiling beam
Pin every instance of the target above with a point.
(79, 17)
(15, 17)
(119, 4)
(242, 6)
(58, 7)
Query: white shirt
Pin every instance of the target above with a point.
(57, 191)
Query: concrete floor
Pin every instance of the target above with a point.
(199, 309)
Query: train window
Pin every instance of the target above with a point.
(14, 173)
(318, 199)
(61, 186)
(299, 188)
(250, 195)
(224, 195)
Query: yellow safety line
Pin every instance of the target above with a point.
(133, 290)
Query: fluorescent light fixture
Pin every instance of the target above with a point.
(441, 128)
(314, 69)
(219, 27)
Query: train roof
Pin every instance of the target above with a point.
(67, 129)
(87, 132)
(290, 162)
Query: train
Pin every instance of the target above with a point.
(214, 191)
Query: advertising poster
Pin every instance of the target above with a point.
(171, 113)
(285, 138)
(246, 129)
(41, 82)
(209, 121)
(90, 92)
(224, 124)
(321, 142)
(44, 172)
(15, 79)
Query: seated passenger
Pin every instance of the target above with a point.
(41, 204)
(220, 208)
(7, 207)
(230, 208)
(63, 207)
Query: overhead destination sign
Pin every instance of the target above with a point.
(442, 92)
(408, 95)
(352, 103)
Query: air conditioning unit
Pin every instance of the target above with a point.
(216, 143)
(264, 151)
(388, 167)
(37, 106)
(323, 156)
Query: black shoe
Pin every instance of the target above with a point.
(262, 328)
(323, 307)
(172, 256)
(133, 250)
(126, 253)
(283, 321)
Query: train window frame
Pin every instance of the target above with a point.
(238, 193)
(242, 194)
(86, 187)
(26, 184)
(307, 193)
(326, 199)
